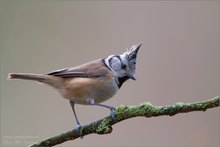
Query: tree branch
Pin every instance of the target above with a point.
(104, 125)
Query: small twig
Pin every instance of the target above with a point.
(104, 125)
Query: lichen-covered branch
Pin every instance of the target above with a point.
(104, 125)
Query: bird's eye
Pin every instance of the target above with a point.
(133, 62)
(123, 66)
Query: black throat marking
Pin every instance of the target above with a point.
(119, 80)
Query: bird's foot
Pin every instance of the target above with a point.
(112, 109)
(79, 130)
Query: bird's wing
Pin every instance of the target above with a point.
(93, 69)
(66, 73)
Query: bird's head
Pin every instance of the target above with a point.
(123, 66)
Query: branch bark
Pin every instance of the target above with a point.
(104, 125)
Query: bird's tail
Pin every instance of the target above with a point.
(28, 76)
(53, 81)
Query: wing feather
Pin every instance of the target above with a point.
(93, 69)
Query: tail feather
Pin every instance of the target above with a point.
(28, 76)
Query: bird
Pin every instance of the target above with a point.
(90, 83)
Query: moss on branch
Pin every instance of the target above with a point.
(104, 125)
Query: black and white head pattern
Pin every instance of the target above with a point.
(123, 66)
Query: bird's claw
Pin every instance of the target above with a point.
(112, 109)
(79, 130)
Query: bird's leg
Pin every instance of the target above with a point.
(111, 108)
(78, 126)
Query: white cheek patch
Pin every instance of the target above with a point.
(115, 64)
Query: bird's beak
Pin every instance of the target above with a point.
(132, 77)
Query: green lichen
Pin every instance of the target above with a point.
(179, 104)
(145, 109)
(104, 127)
(124, 112)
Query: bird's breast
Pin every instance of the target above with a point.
(80, 89)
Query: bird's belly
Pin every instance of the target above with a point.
(105, 92)
(80, 90)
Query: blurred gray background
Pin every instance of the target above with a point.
(178, 62)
